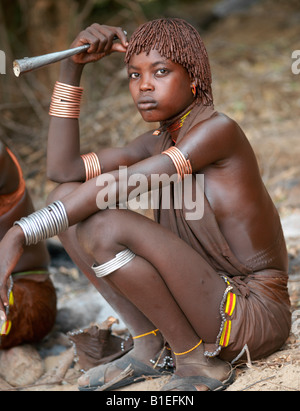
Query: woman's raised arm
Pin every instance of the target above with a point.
(64, 162)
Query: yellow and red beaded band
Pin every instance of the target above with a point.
(229, 309)
(182, 165)
(65, 101)
(5, 326)
(92, 166)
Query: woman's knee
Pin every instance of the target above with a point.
(98, 232)
(61, 191)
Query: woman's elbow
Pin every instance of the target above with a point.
(61, 176)
(66, 173)
(56, 177)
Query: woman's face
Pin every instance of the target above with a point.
(160, 88)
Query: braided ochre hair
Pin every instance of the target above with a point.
(177, 40)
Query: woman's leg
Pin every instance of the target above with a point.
(167, 281)
(132, 317)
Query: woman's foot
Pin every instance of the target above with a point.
(195, 364)
(145, 352)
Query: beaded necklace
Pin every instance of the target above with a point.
(178, 124)
(174, 125)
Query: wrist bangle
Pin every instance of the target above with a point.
(92, 166)
(65, 101)
(44, 224)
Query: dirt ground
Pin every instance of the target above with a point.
(262, 94)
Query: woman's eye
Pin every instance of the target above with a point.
(133, 75)
(162, 72)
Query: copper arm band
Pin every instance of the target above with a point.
(182, 165)
(65, 101)
(92, 166)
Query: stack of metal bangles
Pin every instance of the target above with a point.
(66, 101)
(92, 166)
(44, 224)
(182, 165)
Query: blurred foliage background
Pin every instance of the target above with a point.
(250, 43)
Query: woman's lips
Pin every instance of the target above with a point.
(147, 104)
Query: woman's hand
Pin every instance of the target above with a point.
(101, 39)
(102, 43)
(11, 250)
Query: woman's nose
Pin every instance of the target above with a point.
(146, 84)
